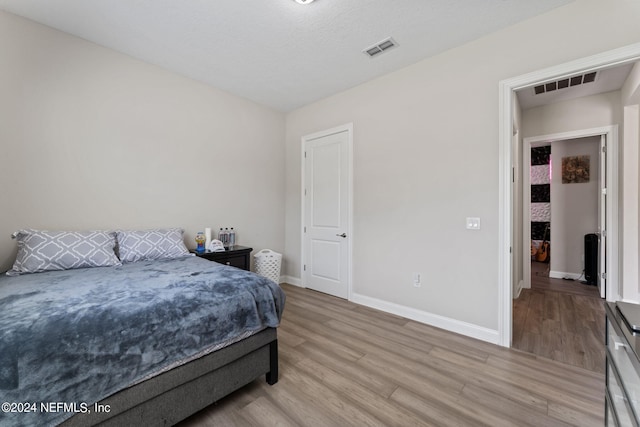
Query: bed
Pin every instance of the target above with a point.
(141, 343)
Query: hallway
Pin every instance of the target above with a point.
(561, 320)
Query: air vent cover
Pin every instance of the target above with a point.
(380, 47)
(565, 83)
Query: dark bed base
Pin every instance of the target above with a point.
(174, 395)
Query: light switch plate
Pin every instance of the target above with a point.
(473, 223)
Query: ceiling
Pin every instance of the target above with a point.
(277, 52)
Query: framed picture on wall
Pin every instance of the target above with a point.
(575, 169)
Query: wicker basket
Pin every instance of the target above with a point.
(267, 263)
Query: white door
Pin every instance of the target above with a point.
(602, 219)
(326, 227)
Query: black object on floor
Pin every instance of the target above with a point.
(591, 258)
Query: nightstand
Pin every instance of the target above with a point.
(235, 256)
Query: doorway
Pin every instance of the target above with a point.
(507, 252)
(586, 208)
(327, 211)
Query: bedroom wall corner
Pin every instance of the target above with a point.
(426, 157)
(94, 139)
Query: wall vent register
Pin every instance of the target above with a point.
(565, 83)
(380, 47)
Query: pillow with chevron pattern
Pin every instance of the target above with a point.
(63, 250)
(144, 245)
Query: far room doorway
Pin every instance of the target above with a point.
(565, 204)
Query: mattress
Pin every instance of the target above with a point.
(72, 338)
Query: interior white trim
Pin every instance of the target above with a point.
(564, 275)
(446, 323)
(295, 281)
(613, 190)
(518, 289)
(505, 196)
(342, 128)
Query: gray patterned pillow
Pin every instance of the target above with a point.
(142, 245)
(63, 250)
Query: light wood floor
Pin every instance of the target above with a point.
(561, 320)
(342, 364)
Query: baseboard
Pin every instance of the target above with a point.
(518, 289)
(562, 275)
(291, 280)
(452, 325)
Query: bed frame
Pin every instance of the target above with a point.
(176, 394)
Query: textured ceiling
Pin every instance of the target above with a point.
(277, 52)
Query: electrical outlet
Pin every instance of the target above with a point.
(473, 223)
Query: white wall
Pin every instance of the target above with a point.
(582, 113)
(426, 157)
(630, 94)
(574, 207)
(90, 138)
(630, 239)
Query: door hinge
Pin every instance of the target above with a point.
(603, 233)
(604, 148)
(604, 276)
(305, 228)
(304, 267)
(513, 174)
(305, 154)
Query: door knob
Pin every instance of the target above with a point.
(343, 235)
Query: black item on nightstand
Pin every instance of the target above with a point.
(236, 256)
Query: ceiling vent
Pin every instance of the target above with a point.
(380, 47)
(565, 83)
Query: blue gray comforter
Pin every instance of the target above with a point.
(78, 336)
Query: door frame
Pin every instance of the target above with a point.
(507, 95)
(304, 140)
(611, 133)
